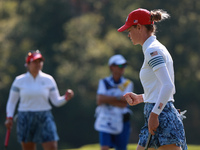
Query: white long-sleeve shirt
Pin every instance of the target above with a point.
(33, 94)
(157, 74)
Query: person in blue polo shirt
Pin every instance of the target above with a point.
(112, 113)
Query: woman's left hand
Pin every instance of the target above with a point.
(69, 94)
(153, 123)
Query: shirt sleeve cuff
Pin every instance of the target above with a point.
(157, 109)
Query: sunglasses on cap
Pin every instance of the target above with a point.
(33, 55)
(121, 66)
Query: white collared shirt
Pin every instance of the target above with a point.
(33, 94)
(155, 56)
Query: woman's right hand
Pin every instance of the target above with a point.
(133, 99)
(9, 123)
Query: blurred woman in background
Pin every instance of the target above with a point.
(35, 123)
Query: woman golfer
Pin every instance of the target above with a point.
(35, 123)
(162, 120)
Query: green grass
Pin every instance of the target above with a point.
(130, 147)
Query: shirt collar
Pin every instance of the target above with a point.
(30, 75)
(148, 42)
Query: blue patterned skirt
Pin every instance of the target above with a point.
(37, 127)
(169, 131)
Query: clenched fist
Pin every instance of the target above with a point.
(69, 94)
(133, 99)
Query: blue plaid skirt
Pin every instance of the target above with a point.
(37, 127)
(169, 131)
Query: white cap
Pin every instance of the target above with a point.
(117, 60)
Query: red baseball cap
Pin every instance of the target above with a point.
(138, 16)
(33, 56)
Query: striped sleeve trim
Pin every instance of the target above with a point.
(52, 89)
(14, 88)
(156, 61)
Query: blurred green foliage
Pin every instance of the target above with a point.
(77, 38)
